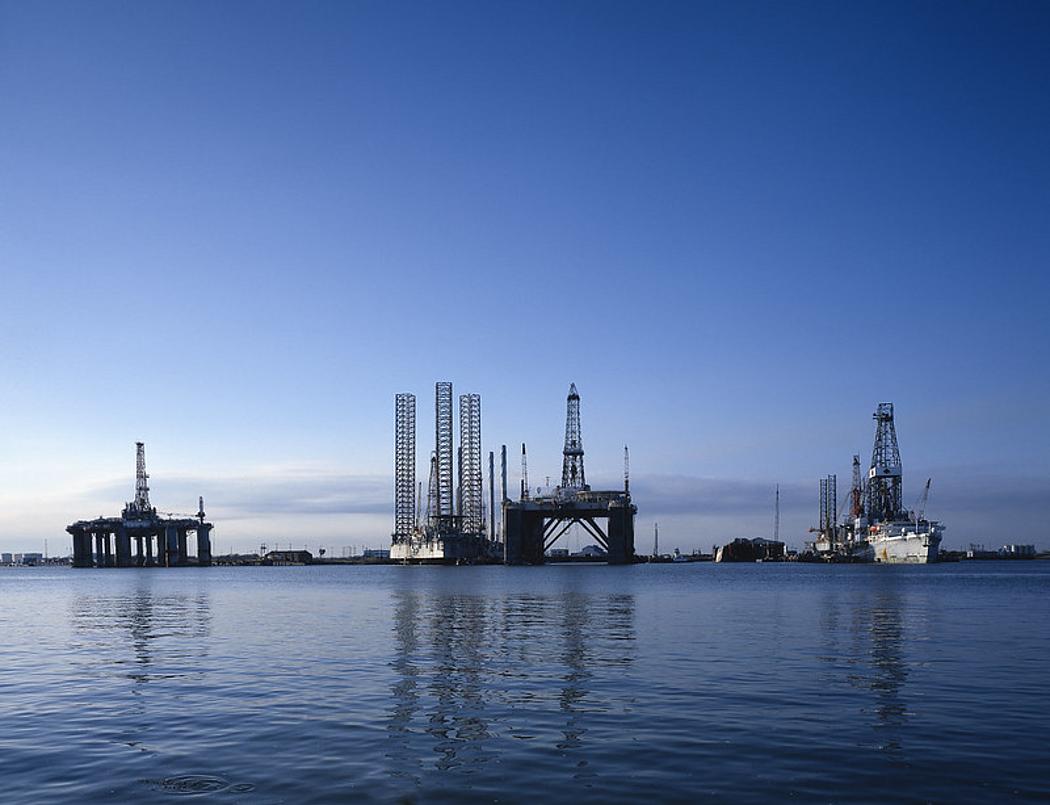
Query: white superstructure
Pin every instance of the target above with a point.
(906, 541)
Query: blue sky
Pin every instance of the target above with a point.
(235, 230)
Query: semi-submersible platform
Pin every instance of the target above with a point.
(453, 528)
(141, 526)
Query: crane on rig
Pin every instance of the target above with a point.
(920, 504)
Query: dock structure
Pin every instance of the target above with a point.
(531, 525)
(158, 540)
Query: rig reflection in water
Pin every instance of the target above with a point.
(474, 673)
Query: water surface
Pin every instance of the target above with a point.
(748, 683)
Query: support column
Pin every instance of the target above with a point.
(621, 535)
(511, 535)
(171, 546)
(100, 553)
(140, 560)
(532, 538)
(82, 549)
(149, 550)
(184, 553)
(123, 541)
(523, 536)
(204, 544)
(108, 546)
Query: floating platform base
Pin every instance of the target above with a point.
(533, 525)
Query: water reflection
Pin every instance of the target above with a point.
(473, 672)
(890, 671)
(872, 652)
(162, 631)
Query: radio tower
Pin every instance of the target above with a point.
(141, 503)
(884, 477)
(572, 462)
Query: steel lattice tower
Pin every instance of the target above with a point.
(884, 477)
(141, 503)
(829, 507)
(856, 492)
(404, 466)
(432, 491)
(572, 476)
(443, 442)
(470, 482)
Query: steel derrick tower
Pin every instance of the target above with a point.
(884, 476)
(829, 507)
(141, 502)
(856, 492)
(470, 481)
(443, 442)
(572, 476)
(404, 466)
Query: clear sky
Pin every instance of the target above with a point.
(235, 230)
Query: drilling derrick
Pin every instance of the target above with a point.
(404, 466)
(443, 441)
(884, 476)
(572, 476)
(471, 488)
(856, 492)
(141, 503)
(432, 492)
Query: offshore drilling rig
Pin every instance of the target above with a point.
(878, 528)
(140, 522)
(532, 525)
(452, 528)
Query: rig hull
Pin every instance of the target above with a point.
(906, 543)
(428, 547)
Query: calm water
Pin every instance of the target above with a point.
(744, 683)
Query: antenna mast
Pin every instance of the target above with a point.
(776, 516)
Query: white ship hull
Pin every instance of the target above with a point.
(904, 543)
(432, 546)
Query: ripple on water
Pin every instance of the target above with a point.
(198, 784)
